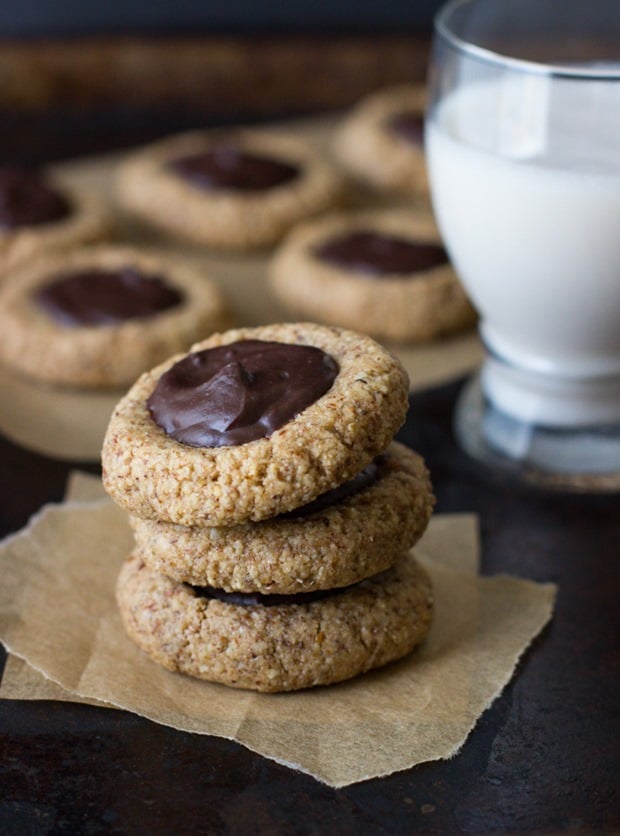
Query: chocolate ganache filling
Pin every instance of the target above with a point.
(360, 482)
(408, 125)
(236, 393)
(27, 200)
(376, 254)
(253, 599)
(228, 167)
(105, 297)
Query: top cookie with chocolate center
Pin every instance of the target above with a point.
(322, 434)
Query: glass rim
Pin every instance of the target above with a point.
(490, 56)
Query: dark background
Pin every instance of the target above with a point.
(81, 78)
(72, 17)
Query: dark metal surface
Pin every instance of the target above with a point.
(544, 758)
(75, 17)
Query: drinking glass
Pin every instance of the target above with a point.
(523, 149)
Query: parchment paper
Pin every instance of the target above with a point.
(77, 421)
(57, 611)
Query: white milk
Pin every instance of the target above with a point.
(525, 178)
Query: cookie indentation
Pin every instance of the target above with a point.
(105, 297)
(241, 392)
(228, 167)
(377, 254)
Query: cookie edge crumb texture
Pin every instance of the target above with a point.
(277, 648)
(337, 546)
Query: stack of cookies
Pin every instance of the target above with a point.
(273, 514)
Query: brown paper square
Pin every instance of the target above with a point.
(419, 709)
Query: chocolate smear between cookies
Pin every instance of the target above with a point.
(237, 393)
(94, 297)
(260, 599)
(360, 482)
(26, 199)
(377, 254)
(229, 167)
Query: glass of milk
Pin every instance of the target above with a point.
(523, 149)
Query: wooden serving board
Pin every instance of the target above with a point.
(70, 424)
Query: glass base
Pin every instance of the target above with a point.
(585, 459)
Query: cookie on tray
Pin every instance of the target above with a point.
(39, 214)
(252, 423)
(279, 645)
(344, 536)
(99, 316)
(381, 140)
(233, 190)
(384, 273)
